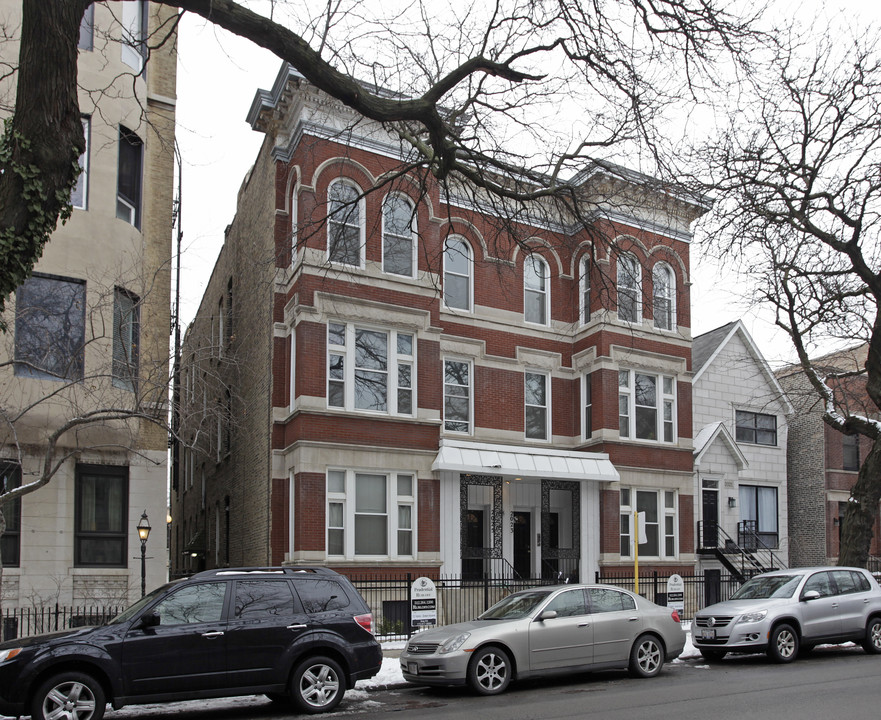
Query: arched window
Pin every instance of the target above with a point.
(398, 234)
(457, 274)
(662, 296)
(628, 289)
(344, 224)
(535, 286)
(294, 226)
(584, 290)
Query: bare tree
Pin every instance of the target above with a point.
(797, 176)
(474, 94)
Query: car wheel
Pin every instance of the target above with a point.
(783, 644)
(713, 655)
(646, 656)
(69, 695)
(489, 671)
(872, 643)
(317, 685)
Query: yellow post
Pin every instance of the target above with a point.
(636, 549)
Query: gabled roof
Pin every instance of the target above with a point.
(706, 347)
(708, 435)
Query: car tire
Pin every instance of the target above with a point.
(80, 693)
(489, 671)
(712, 655)
(872, 642)
(646, 656)
(317, 685)
(783, 644)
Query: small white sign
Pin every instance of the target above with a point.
(423, 602)
(676, 593)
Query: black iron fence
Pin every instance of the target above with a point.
(390, 599)
(699, 591)
(25, 621)
(461, 599)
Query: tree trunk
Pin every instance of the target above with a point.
(859, 516)
(43, 140)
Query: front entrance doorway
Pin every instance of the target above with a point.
(521, 527)
(710, 515)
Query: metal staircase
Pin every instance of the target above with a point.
(744, 557)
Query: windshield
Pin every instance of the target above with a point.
(133, 610)
(515, 606)
(773, 586)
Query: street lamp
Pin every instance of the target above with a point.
(143, 533)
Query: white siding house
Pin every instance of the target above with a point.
(740, 433)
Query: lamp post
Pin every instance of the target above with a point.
(143, 533)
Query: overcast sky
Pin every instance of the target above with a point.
(218, 75)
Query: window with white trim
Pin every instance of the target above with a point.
(371, 515)
(535, 290)
(130, 167)
(663, 294)
(457, 396)
(537, 403)
(660, 525)
(79, 196)
(292, 392)
(588, 406)
(646, 406)
(629, 295)
(457, 274)
(584, 290)
(370, 369)
(345, 224)
(398, 236)
(134, 34)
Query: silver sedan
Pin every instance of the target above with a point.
(547, 631)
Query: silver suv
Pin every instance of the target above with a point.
(786, 611)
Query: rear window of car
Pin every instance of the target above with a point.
(320, 595)
(603, 600)
(861, 581)
(264, 598)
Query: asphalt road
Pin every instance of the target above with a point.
(831, 683)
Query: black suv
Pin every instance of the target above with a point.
(298, 633)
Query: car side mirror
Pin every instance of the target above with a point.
(149, 620)
(810, 595)
(548, 615)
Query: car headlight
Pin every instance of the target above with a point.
(454, 643)
(9, 654)
(753, 617)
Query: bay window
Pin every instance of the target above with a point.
(370, 514)
(371, 370)
(659, 523)
(646, 406)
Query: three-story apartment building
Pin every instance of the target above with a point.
(385, 372)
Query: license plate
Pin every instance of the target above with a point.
(708, 634)
(413, 668)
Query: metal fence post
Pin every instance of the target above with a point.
(409, 613)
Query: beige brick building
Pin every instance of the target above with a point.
(89, 331)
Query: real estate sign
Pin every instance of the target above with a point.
(423, 602)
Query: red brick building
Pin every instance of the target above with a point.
(387, 373)
(823, 463)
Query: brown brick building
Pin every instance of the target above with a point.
(380, 375)
(823, 463)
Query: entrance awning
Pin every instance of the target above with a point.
(522, 461)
